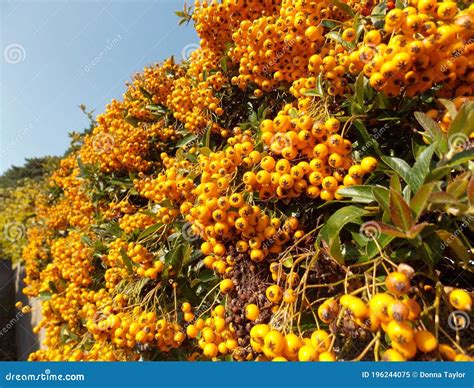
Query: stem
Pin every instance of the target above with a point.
(368, 347)
(436, 305)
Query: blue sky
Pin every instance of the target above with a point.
(58, 54)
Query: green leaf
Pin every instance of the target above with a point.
(395, 183)
(156, 109)
(149, 231)
(359, 89)
(343, 7)
(358, 26)
(421, 168)
(146, 93)
(450, 107)
(288, 262)
(126, 260)
(415, 230)
(45, 295)
(333, 226)
(224, 63)
(319, 84)
(389, 230)
(438, 173)
(381, 194)
(204, 276)
(330, 24)
(458, 187)
(400, 211)
(186, 140)
(378, 11)
(336, 36)
(372, 249)
(463, 123)
(459, 158)
(179, 256)
(434, 131)
(358, 193)
(207, 275)
(207, 138)
(86, 240)
(453, 242)
(313, 93)
(382, 101)
(419, 202)
(399, 166)
(368, 141)
(443, 198)
(470, 191)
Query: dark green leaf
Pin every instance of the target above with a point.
(372, 249)
(379, 10)
(455, 244)
(330, 231)
(146, 93)
(368, 141)
(179, 256)
(381, 195)
(132, 121)
(359, 89)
